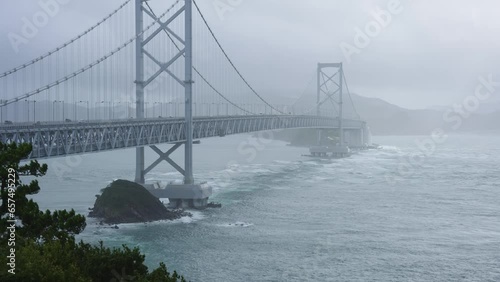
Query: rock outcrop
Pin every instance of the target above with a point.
(128, 202)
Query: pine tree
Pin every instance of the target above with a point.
(44, 242)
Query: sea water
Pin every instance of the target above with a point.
(378, 215)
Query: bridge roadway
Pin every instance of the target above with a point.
(53, 139)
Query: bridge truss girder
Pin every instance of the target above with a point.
(62, 139)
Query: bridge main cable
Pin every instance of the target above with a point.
(350, 97)
(231, 62)
(196, 70)
(27, 64)
(84, 69)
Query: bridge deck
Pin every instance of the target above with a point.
(54, 139)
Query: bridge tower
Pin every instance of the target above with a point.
(324, 91)
(326, 94)
(187, 194)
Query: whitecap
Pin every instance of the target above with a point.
(236, 224)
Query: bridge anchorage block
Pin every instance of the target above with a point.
(187, 195)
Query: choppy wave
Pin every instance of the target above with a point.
(236, 224)
(435, 223)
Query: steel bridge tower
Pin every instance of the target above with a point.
(187, 194)
(322, 88)
(325, 94)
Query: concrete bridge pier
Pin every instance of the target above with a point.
(366, 135)
(188, 195)
(358, 138)
(354, 138)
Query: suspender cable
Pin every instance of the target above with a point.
(231, 62)
(16, 69)
(350, 97)
(84, 69)
(196, 70)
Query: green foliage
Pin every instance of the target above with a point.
(159, 274)
(104, 264)
(122, 190)
(47, 226)
(45, 245)
(50, 261)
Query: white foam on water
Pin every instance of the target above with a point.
(390, 148)
(260, 170)
(283, 162)
(110, 231)
(236, 224)
(196, 216)
(169, 173)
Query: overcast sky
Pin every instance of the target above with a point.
(431, 52)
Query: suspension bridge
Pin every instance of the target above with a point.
(163, 78)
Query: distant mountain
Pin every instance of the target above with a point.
(487, 107)
(482, 123)
(387, 119)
